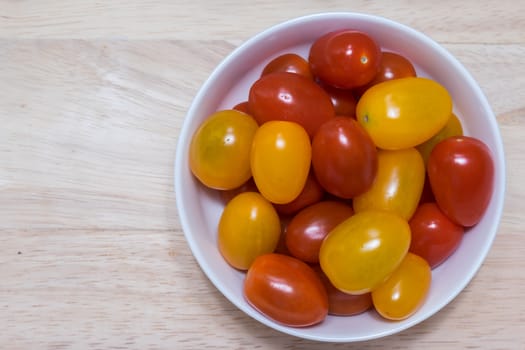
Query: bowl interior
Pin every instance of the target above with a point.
(200, 209)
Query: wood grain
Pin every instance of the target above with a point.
(92, 255)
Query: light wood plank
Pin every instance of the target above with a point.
(459, 21)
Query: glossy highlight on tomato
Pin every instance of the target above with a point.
(286, 290)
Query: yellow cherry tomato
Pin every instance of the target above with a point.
(452, 128)
(405, 112)
(403, 293)
(249, 226)
(360, 253)
(398, 184)
(220, 149)
(280, 160)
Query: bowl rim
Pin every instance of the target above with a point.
(249, 44)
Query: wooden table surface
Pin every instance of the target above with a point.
(93, 95)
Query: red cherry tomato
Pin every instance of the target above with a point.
(344, 304)
(242, 107)
(345, 58)
(308, 228)
(290, 97)
(344, 157)
(312, 193)
(461, 174)
(343, 100)
(434, 236)
(393, 66)
(289, 62)
(286, 290)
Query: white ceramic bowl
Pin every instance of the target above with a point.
(200, 209)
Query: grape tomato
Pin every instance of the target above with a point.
(280, 158)
(249, 226)
(289, 62)
(220, 149)
(286, 290)
(461, 174)
(345, 58)
(398, 184)
(403, 113)
(362, 251)
(344, 158)
(290, 97)
(434, 236)
(403, 293)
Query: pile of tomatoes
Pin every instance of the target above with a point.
(346, 179)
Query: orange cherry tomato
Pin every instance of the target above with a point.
(220, 149)
(401, 295)
(280, 160)
(249, 226)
